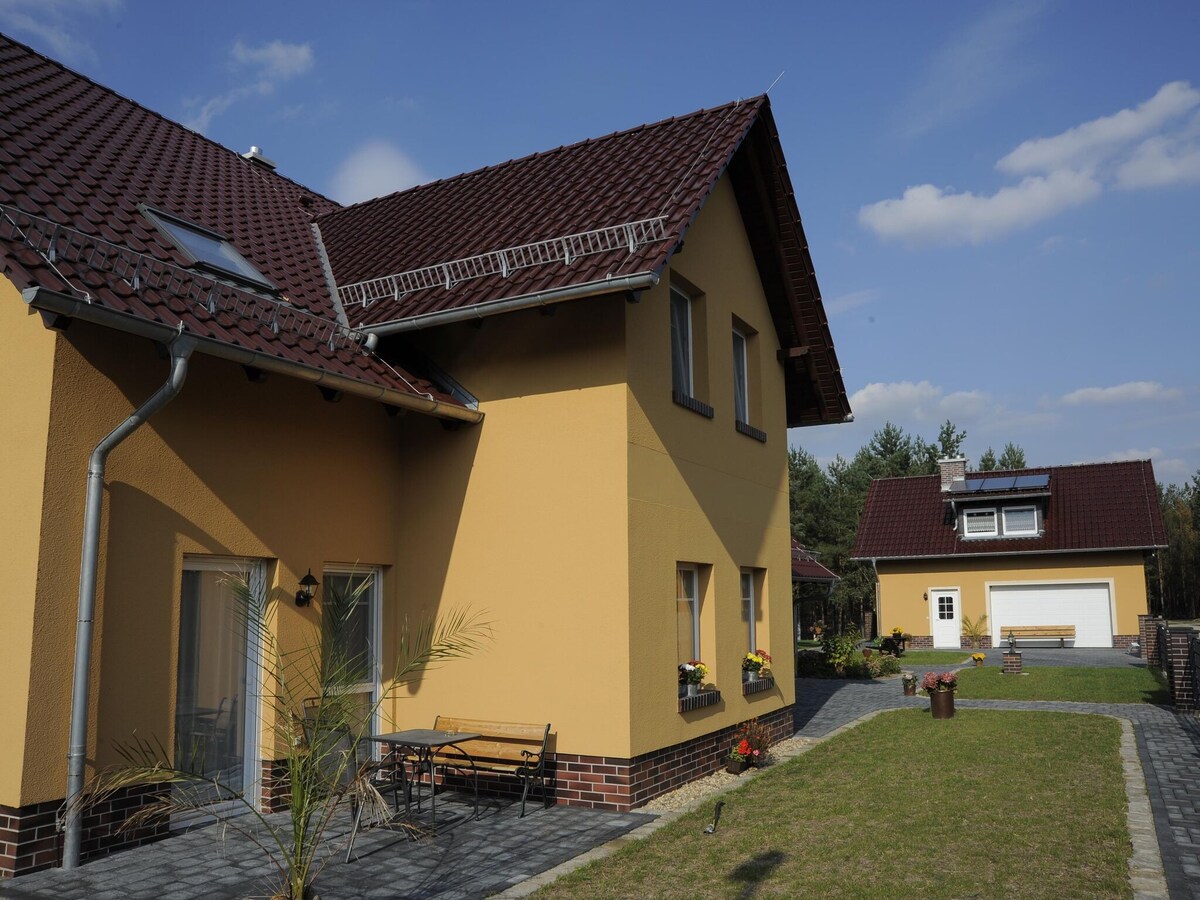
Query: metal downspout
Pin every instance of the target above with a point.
(181, 349)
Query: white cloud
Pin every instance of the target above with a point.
(275, 61)
(974, 65)
(919, 402)
(1129, 392)
(846, 302)
(55, 23)
(929, 214)
(262, 68)
(1143, 146)
(1163, 160)
(1092, 142)
(374, 169)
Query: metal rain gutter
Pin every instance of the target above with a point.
(181, 350)
(52, 301)
(639, 282)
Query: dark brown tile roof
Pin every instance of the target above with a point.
(805, 566)
(665, 169)
(84, 157)
(1097, 506)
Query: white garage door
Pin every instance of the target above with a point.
(1086, 606)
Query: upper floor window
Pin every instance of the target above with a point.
(979, 523)
(741, 387)
(209, 251)
(1020, 520)
(681, 342)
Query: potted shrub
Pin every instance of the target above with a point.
(910, 684)
(752, 742)
(756, 664)
(736, 762)
(940, 686)
(691, 675)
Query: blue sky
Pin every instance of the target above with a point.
(1001, 200)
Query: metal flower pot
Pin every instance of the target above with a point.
(941, 704)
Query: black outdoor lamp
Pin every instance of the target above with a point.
(308, 587)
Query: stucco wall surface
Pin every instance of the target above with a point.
(903, 584)
(700, 491)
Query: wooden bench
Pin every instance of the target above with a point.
(505, 748)
(1062, 632)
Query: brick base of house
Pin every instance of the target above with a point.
(30, 839)
(1123, 641)
(276, 790)
(621, 783)
(985, 643)
(921, 642)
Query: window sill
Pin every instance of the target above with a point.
(751, 431)
(701, 700)
(689, 402)
(757, 687)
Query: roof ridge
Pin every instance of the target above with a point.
(473, 173)
(161, 116)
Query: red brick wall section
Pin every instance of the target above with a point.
(30, 840)
(276, 787)
(1012, 663)
(985, 643)
(921, 642)
(1148, 638)
(1178, 640)
(1124, 641)
(616, 783)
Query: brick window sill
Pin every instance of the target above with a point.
(701, 700)
(689, 402)
(751, 431)
(758, 687)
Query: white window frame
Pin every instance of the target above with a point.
(694, 600)
(969, 513)
(375, 607)
(741, 377)
(750, 607)
(689, 337)
(1020, 532)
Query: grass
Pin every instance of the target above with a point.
(1129, 685)
(934, 657)
(990, 803)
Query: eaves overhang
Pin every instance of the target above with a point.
(879, 558)
(46, 300)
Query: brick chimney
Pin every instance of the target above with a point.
(952, 470)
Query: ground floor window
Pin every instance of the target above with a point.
(687, 594)
(351, 609)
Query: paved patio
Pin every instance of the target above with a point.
(466, 858)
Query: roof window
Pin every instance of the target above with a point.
(210, 252)
(979, 523)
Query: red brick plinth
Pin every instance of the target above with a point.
(1012, 662)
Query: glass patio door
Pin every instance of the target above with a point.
(216, 701)
(356, 593)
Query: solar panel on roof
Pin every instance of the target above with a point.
(1033, 481)
(975, 484)
(1001, 483)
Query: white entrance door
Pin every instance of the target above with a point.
(945, 618)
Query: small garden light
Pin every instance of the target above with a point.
(308, 587)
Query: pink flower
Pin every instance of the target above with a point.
(756, 753)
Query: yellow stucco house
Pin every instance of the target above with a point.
(1032, 548)
(556, 390)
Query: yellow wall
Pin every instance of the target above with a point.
(902, 584)
(229, 468)
(26, 379)
(525, 517)
(701, 492)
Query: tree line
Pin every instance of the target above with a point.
(827, 502)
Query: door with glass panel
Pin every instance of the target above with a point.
(353, 625)
(216, 698)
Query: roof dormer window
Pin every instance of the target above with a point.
(209, 251)
(979, 523)
(1020, 521)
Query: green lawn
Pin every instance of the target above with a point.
(990, 803)
(1131, 685)
(946, 658)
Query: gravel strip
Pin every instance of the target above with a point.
(718, 782)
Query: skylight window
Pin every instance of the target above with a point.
(209, 251)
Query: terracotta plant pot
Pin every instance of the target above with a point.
(867, 651)
(941, 704)
(910, 689)
(979, 663)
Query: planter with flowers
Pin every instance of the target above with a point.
(756, 665)
(910, 684)
(750, 745)
(978, 658)
(691, 675)
(940, 686)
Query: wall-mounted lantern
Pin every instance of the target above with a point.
(308, 587)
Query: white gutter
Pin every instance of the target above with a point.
(639, 282)
(60, 304)
(181, 350)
